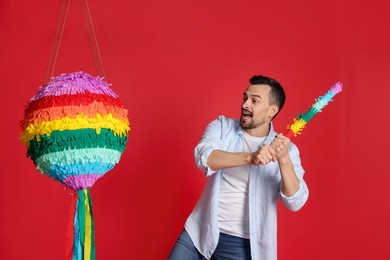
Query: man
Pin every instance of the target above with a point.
(248, 167)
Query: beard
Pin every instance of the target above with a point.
(247, 121)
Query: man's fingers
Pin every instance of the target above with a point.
(279, 145)
(268, 151)
(266, 154)
(280, 138)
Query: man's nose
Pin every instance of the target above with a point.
(245, 105)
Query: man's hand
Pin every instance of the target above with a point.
(264, 155)
(280, 144)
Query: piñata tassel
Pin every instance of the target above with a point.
(70, 229)
(300, 122)
(81, 245)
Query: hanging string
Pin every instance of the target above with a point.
(55, 40)
(94, 35)
(62, 32)
(89, 37)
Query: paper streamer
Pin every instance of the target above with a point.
(81, 236)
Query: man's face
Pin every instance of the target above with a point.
(256, 109)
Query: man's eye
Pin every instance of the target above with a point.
(254, 101)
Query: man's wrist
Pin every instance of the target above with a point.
(284, 160)
(249, 158)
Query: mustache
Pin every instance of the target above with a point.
(246, 112)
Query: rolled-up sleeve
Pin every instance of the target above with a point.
(299, 198)
(210, 141)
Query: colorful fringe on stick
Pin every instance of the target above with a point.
(300, 122)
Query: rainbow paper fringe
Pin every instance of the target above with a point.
(75, 130)
(301, 120)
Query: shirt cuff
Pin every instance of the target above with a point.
(206, 156)
(295, 196)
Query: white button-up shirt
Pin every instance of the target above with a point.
(264, 190)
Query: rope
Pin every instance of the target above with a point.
(96, 42)
(62, 32)
(89, 38)
(55, 40)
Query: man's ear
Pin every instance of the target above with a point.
(273, 111)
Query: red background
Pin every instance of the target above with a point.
(176, 66)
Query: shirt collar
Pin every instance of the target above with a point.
(271, 135)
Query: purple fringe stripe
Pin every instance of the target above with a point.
(82, 181)
(74, 83)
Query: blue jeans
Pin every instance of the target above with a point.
(228, 248)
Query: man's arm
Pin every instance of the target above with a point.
(293, 189)
(278, 150)
(219, 159)
(290, 181)
(210, 154)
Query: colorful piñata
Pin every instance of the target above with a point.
(75, 129)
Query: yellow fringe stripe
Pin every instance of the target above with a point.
(88, 228)
(119, 127)
(297, 126)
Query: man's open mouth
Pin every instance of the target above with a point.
(246, 114)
